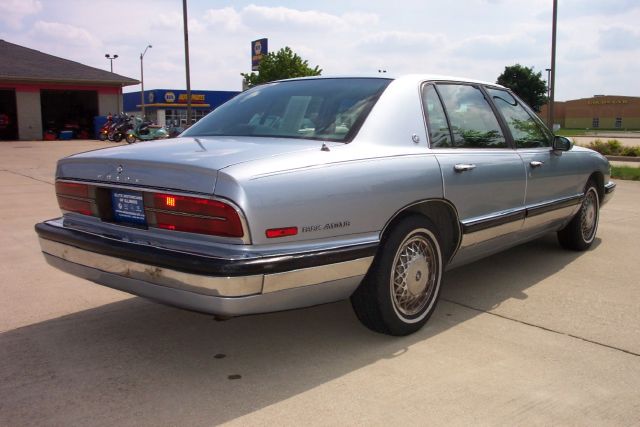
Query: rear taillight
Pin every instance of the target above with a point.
(162, 210)
(74, 197)
(195, 215)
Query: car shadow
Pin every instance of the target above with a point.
(137, 362)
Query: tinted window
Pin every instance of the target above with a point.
(439, 135)
(473, 123)
(526, 131)
(327, 109)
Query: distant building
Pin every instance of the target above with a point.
(44, 93)
(598, 112)
(169, 106)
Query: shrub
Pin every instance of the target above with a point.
(630, 151)
(613, 147)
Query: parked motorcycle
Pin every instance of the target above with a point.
(119, 128)
(145, 131)
(103, 133)
(174, 130)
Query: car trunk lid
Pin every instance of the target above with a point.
(186, 164)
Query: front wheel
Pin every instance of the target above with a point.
(130, 139)
(102, 136)
(117, 137)
(580, 233)
(400, 291)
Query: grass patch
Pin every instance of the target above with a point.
(626, 172)
(613, 147)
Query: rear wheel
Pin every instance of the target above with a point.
(400, 291)
(580, 233)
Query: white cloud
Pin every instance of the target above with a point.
(286, 18)
(12, 12)
(64, 33)
(226, 18)
(619, 39)
(401, 42)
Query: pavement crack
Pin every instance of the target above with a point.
(26, 176)
(542, 327)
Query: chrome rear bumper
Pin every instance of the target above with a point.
(202, 289)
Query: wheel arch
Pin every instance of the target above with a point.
(444, 216)
(598, 178)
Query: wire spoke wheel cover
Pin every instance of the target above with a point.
(589, 215)
(414, 275)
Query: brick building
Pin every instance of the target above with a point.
(597, 112)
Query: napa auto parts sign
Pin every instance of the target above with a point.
(181, 98)
(259, 48)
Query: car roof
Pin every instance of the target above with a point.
(418, 78)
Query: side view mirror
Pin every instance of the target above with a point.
(560, 143)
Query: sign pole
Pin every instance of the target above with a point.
(186, 59)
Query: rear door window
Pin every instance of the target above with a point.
(473, 123)
(439, 134)
(526, 131)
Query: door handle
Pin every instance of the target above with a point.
(461, 167)
(536, 164)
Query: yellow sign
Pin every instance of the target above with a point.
(608, 101)
(194, 97)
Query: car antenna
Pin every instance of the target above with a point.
(200, 144)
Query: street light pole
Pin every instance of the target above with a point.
(186, 59)
(548, 70)
(111, 58)
(553, 62)
(142, 80)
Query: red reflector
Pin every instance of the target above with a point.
(170, 201)
(281, 232)
(73, 205)
(72, 189)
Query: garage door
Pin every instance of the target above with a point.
(69, 110)
(8, 116)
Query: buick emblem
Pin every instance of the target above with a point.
(119, 169)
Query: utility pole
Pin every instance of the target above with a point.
(142, 81)
(186, 59)
(553, 62)
(549, 124)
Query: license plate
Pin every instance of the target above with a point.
(128, 206)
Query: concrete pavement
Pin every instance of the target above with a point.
(532, 336)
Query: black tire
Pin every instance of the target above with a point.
(117, 137)
(102, 136)
(400, 291)
(580, 233)
(130, 139)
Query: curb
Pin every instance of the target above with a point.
(623, 158)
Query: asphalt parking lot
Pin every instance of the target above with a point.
(533, 336)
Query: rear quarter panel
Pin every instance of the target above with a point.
(329, 194)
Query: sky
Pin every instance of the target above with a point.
(598, 47)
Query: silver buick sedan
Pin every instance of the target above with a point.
(307, 191)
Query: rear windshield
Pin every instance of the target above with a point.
(325, 109)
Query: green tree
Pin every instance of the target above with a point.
(283, 64)
(526, 83)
